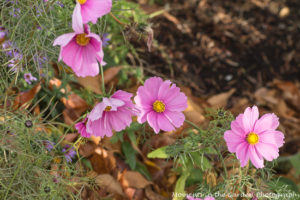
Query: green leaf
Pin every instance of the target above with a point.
(179, 192)
(87, 163)
(140, 167)
(129, 153)
(159, 153)
(295, 160)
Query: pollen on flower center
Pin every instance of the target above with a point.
(81, 1)
(108, 108)
(82, 40)
(158, 106)
(252, 138)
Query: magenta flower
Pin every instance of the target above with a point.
(253, 138)
(28, 78)
(81, 128)
(114, 113)
(91, 10)
(161, 103)
(188, 197)
(81, 50)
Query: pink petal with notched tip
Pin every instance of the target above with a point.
(249, 118)
(256, 159)
(176, 118)
(94, 9)
(152, 120)
(267, 122)
(272, 137)
(77, 24)
(233, 140)
(164, 123)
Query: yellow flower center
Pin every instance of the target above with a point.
(108, 108)
(82, 40)
(81, 1)
(252, 138)
(159, 106)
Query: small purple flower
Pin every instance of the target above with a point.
(48, 145)
(28, 78)
(105, 40)
(69, 153)
(3, 33)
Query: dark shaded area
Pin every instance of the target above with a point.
(213, 46)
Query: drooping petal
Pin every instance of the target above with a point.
(89, 66)
(64, 39)
(164, 123)
(176, 118)
(267, 122)
(272, 137)
(268, 151)
(72, 55)
(152, 120)
(255, 157)
(94, 9)
(120, 120)
(97, 111)
(122, 95)
(77, 24)
(249, 118)
(95, 41)
(232, 140)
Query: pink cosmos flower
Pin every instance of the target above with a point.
(81, 50)
(91, 10)
(161, 104)
(188, 197)
(253, 138)
(81, 128)
(114, 113)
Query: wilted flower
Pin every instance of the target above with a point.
(69, 153)
(253, 138)
(114, 113)
(81, 50)
(81, 128)
(91, 10)
(161, 103)
(28, 78)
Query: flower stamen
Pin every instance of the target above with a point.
(82, 1)
(108, 108)
(159, 106)
(252, 138)
(82, 40)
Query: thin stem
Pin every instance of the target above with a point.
(116, 19)
(192, 124)
(222, 160)
(102, 79)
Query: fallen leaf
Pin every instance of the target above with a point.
(87, 149)
(25, 97)
(103, 161)
(220, 100)
(110, 183)
(134, 179)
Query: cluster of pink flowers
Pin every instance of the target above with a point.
(159, 102)
(82, 50)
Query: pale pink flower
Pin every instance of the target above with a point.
(91, 10)
(28, 78)
(81, 50)
(114, 113)
(253, 138)
(161, 104)
(81, 128)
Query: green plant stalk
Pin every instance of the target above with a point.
(222, 160)
(12, 180)
(102, 79)
(193, 125)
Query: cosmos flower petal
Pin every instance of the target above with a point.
(267, 122)
(255, 157)
(152, 120)
(152, 85)
(249, 118)
(97, 111)
(94, 9)
(164, 123)
(64, 39)
(77, 24)
(242, 153)
(232, 140)
(268, 151)
(237, 125)
(272, 137)
(176, 118)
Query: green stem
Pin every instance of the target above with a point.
(12, 180)
(222, 160)
(193, 125)
(102, 79)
